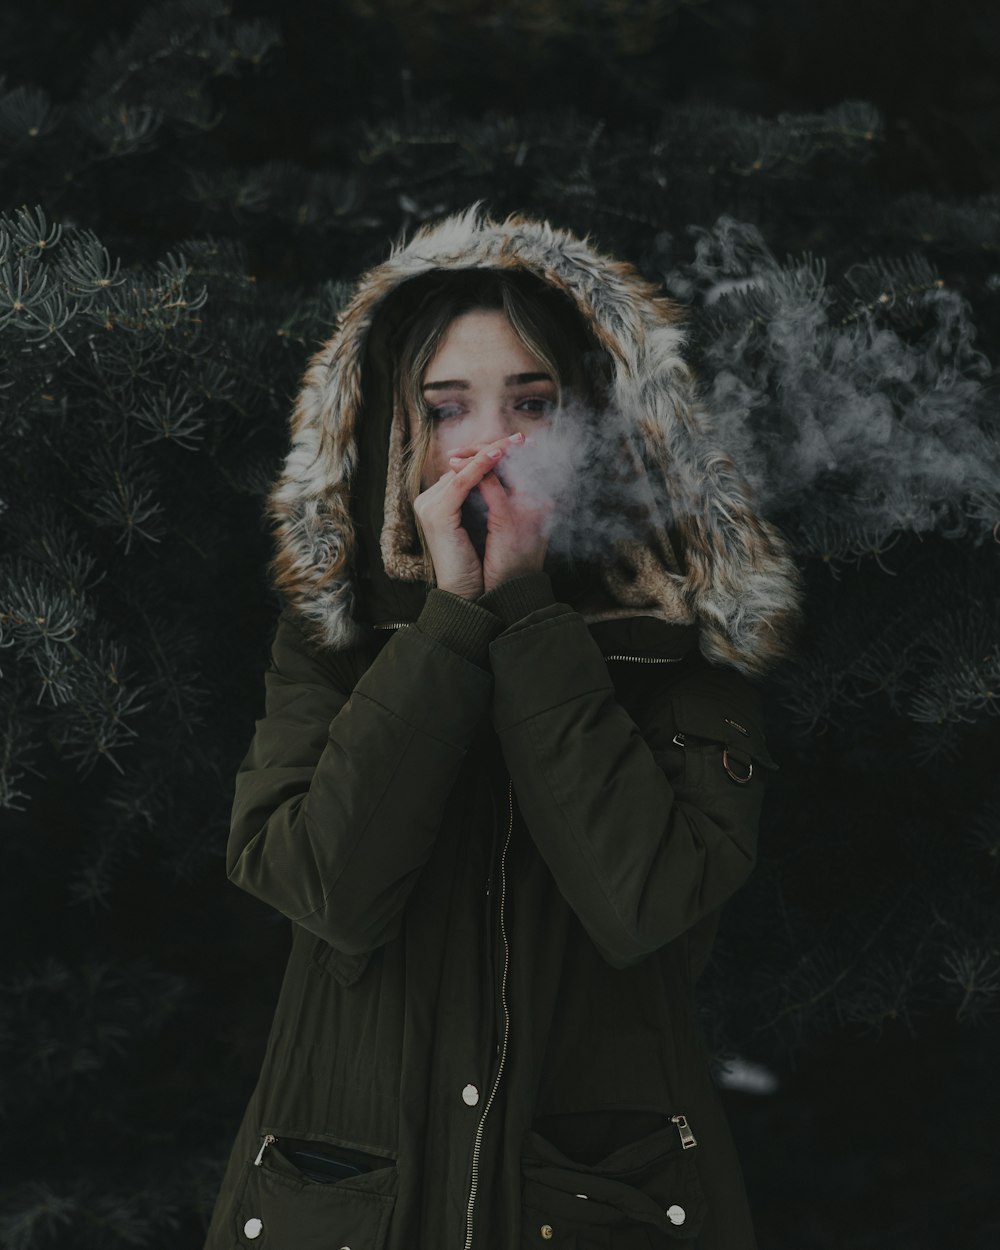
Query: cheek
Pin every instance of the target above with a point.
(527, 422)
(452, 432)
(436, 460)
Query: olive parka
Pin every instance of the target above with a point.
(502, 829)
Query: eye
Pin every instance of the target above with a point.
(440, 412)
(543, 404)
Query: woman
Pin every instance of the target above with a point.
(510, 767)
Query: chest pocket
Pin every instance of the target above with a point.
(722, 744)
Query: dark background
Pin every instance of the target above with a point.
(872, 1138)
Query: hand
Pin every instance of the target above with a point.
(457, 567)
(516, 526)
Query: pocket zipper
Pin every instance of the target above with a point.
(688, 1138)
(647, 659)
(269, 1140)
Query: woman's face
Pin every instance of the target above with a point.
(481, 384)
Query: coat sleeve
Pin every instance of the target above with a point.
(340, 796)
(643, 836)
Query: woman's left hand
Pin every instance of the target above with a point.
(516, 527)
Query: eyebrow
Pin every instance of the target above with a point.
(513, 379)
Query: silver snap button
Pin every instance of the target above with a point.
(676, 1214)
(252, 1228)
(470, 1095)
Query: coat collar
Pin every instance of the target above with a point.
(344, 533)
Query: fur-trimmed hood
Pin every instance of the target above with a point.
(346, 553)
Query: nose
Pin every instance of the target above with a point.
(490, 423)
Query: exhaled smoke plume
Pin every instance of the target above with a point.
(863, 401)
(830, 415)
(580, 461)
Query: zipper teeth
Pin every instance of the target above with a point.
(647, 659)
(506, 1023)
(392, 625)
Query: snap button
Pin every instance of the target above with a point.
(252, 1228)
(546, 1231)
(676, 1214)
(470, 1095)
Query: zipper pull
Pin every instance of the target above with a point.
(269, 1139)
(687, 1137)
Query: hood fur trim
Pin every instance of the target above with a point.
(734, 576)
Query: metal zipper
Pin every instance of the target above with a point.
(687, 1137)
(393, 625)
(477, 1146)
(269, 1140)
(647, 659)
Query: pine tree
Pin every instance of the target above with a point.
(161, 286)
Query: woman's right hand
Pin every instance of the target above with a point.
(457, 566)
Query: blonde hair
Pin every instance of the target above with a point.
(545, 321)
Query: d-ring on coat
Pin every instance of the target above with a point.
(502, 829)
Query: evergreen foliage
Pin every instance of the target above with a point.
(161, 288)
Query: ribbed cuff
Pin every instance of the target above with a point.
(516, 597)
(459, 624)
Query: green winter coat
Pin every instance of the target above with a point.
(503, 833)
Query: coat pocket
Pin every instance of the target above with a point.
(644, 1194)
(719, 742)
(332, 1197)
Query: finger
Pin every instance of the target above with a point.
(474, 470)
(471, 449)
(497, 502)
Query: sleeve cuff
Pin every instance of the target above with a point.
(516, 597)
(459, 624)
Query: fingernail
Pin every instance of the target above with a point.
(517, 438)
(496, 453)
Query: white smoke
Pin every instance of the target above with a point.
(576, 461)
(845, 399)
(832, 410)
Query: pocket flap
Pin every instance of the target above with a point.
(717, 721)
(280, 1205)
(652, 1181)
(300, 1213)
